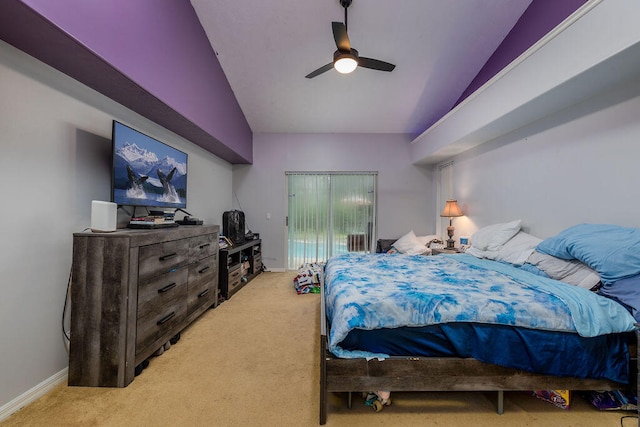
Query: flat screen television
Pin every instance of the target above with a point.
(146, 172)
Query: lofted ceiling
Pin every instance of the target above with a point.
(266, 48)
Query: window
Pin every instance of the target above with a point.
(329, 213)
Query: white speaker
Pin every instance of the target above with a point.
(104, 216)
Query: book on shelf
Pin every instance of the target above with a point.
(154, 218)
(151, 220)
(147, 219)
(224, 242)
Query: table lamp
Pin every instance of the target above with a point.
(450, 210)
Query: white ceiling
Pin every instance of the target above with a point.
(266, 48)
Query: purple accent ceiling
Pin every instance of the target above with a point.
(149, 55)
(540, 17)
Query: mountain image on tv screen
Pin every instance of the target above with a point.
(147, 172)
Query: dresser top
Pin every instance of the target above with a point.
(140, 237)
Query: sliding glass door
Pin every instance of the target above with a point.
(329, 213)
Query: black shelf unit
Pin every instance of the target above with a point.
(239, 264)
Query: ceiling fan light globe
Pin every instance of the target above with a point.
(345, 64)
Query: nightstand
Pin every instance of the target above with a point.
(445, 251)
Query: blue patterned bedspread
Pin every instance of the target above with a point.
(371, 291)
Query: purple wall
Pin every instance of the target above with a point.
(150, 55)
(540, 17)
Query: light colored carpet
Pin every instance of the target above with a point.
(254, 361)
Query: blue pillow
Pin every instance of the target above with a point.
(626, 291)
(611, 250)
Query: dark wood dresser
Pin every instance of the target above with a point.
(131, 292)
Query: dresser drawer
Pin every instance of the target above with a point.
(203, 246)
(205, 294)
(161, 290)
(204, 270)
(257, 262)
(202, 292)
(234, 280)
(159, 326)
(162, 258)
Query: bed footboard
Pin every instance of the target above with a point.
(438, 374)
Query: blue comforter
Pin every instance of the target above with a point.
(372, 291)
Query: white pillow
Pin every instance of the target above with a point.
(426, 239)
(572, 271)
(475, 252)
(492, 237)
(409, 244)
(516, 250)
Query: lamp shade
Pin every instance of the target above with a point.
(451, 209)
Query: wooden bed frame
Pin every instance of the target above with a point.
(439, 374)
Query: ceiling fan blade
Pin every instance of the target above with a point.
(320, 70)
(375, 64)
(341, 37)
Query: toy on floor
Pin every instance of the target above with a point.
(377, 399)
(309, 278)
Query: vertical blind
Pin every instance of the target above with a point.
(329, 213)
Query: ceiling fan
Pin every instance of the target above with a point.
(346, 59)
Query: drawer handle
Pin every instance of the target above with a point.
(166, 318)
(167, 288)
(205, 245)
(204, 269)
(203, 293)
(169, 256)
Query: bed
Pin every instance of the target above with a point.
(400, 322)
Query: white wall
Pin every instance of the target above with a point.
(580, 165)
(405, 191)
(55, 158)
(595, 48)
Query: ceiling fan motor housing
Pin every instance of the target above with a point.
(339, 55)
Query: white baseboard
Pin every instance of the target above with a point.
(276, 270)
(33, 394)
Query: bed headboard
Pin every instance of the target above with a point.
(383, 245)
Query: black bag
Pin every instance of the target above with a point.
(233, 225)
